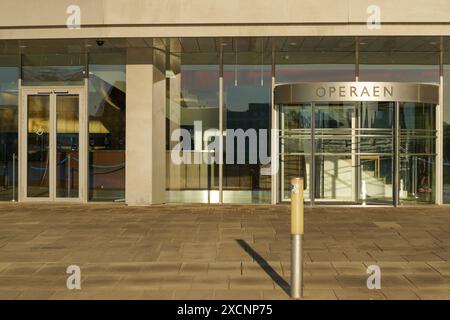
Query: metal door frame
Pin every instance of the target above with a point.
(52, 92)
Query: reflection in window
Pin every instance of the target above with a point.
(53, 69)
(107, 126)
(192, 82)
(315, 59)
(399, 59)
(446, 129)
(417, 126)
(247, 106)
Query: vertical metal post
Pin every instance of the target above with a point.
(356, 59)
(221, 125)
(297, 231)
(397, 132)
(312, 173)
(439, 169)
(14, 177)
(69, 175)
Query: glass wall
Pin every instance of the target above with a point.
(399, 59)
(195, 68)
(107, 90)
(53, 62)
(295, 147)
(376, 152)
(9, 74)
(417, 152)
(446, 124)
(192, 120)
(247, 92)
(333, 151)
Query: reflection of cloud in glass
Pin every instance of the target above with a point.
(199, 84)
(315, 72)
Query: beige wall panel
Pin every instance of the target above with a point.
(410, 11)
(216, 31)
(224, 12)
(27, 13)
(48, 12)
(158, 146)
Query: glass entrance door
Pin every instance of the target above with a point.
(334, 152)
(359, 152)
(375, 152)
(53, 147)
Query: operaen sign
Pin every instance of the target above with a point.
(356, 91)
(352, 91)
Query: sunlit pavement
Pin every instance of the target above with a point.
(220, 252)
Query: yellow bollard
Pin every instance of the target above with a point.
(297, 231)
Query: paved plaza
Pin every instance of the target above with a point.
(220, 252)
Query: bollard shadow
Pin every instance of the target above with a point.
(265, 266)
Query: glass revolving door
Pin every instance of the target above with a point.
(375, 150)
(366, 152)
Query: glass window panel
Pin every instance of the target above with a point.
(192, 82)
(295, 147)
(417, 153)
(247, 107)
(376, 152)
(314, 59)
(107, 109)
(446, 124)
(38, 155)
(53, 69)
(399, 59)
(67, 146)
(9, 72)
(333, 148)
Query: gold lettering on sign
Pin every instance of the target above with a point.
(389, 92)
(365, 91)
(320, 92)
(376, 91)
(332, 90)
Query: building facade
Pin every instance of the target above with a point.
(149, 102)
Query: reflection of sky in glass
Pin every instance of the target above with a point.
(33, 74)
(109, 73)
(113, 75)
(8, 79)
(400, 73)
(286, 73)
(8, 86)
(200, 85)
(251, 84)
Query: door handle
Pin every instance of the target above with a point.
(60, 92)
(44, 92)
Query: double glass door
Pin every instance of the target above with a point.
(52, 144)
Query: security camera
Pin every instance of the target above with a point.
(100, 43)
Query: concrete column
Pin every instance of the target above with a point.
(145, 127)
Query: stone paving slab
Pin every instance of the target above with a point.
(220, 252)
